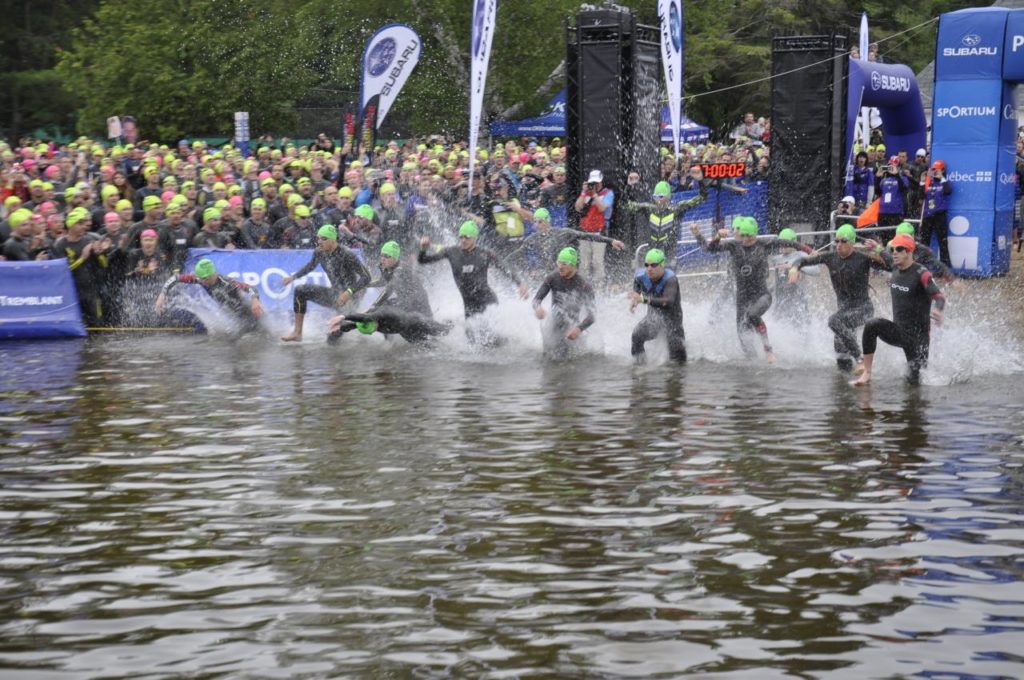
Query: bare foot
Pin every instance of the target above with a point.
(864, 379)
(858, 369)
(769, 356)
(292, 337)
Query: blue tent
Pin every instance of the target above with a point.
(551, 123)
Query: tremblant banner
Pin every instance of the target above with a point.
(390, 56)
(485, 13)
(38, 300)
(670, 12)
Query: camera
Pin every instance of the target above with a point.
(591, 185)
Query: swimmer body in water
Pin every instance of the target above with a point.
(238, 299)
(658, 288)
(572, 304)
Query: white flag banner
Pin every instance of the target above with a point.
(670, 13)
(390, 56)
(865, 133)
(485, 12)
(113, 127)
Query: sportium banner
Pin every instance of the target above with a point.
(670, 12)
(485, 12)
(390, 56)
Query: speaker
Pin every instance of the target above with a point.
(808, 130)
(613, 88)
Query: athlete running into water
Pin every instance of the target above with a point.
(240, 300)
(748, 263)
(402, 308)
(470, 265)
(913, 291)
(849, 271)
(572, 303)
(345, 272)
(658, 288)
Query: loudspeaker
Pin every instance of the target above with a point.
(808, 130)
(613, 108)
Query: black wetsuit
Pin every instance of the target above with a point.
(206, 239)
(572, 305)
(748, 266)
(850, 281)
(88, 275)
(470, 272)
(344, 271)
(402, 308)
(664, 314)
(230, 295)
(19, 249)
(143, 278)
(913, 290)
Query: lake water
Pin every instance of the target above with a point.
(189, 507)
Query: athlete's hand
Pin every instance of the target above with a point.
(723, 233)
(343, 298)
(937, 316)
(335, 323)
(257, 308)
(424, 242)
(573, 333)
(286, 280)
(540, 312)
(634, 300)
(695, 230)
(524, 291)
(161, 303)
(618, 245)
(794, 275)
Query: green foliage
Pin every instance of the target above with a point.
(183, 66)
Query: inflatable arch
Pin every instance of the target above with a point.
(893, 90)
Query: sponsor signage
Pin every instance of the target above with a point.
(970, 110)
(970, 45)
(390, 56)
(1013, 48)
(38, 300)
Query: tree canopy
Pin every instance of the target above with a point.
(182, 67)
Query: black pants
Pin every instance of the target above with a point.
(937, 224)
(914, 345)
(322, 295)
(748, 318)
(92, 308)
(654, 325)
(844, 324)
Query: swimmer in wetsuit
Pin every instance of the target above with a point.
(913, 292)
(345, 272)
(470, 265)
(657, 287)
(240, 300)
(572, 302)
(748, 263)
(849, 271)
(402, 308)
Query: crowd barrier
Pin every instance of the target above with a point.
(38, 300)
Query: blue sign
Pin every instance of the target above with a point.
(975, 107)
(970, 44)
(718, 211)
(38, 300)
(1013, 48)
(264, 270)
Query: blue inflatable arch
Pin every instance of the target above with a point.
(893, 90)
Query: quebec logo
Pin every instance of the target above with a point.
(971, 48)
(979, 176)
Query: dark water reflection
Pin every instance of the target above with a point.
(184, 507)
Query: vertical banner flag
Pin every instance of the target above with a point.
(485, 13)
(865, 113)
(390, 56)
(242, 131)
(113, 127)
(670, 12)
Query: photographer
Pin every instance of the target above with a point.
(594, 205)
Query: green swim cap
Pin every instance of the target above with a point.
(150, 202)
(211, 214)
(328, 231)
(391, 249)
(905, 228)
(568, 256)
(655, 256)
(366, 327)
(469, 229)
(365, 211)
(542, 214)
(787, 235)
(205, 268)
(662, 189)
(748, 227)
(19, 216)
(847, 232)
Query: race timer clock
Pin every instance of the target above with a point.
(723, 170)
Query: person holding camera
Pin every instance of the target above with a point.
(594, 204)
(934, 218)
